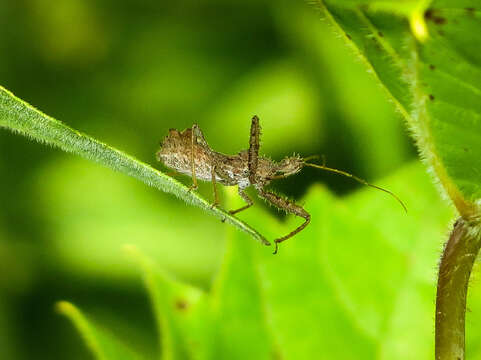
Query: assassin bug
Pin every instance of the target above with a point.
(187, 152)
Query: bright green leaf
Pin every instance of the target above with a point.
(306, 310)
(432, 80)
(239, 309)
(179, 310)
(372, 278)
(448, 74)
(353, 285)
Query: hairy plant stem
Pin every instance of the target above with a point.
(454, 271)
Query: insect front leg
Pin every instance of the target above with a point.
(289, 207)
(253, 154)
(197, 137)
(246, 198)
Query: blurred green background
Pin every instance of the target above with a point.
(125, 72)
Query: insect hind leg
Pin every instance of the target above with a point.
(246, 198)
(289, 207)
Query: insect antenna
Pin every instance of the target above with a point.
(358, 179)
(322, 157)
(314, 157)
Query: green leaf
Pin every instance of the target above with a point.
(361, 274)
(352, 277)
(194, 325)
(102, 344)
(393, 6)
(415, 240)
(353, 285)
(21, 117)
(238, 305)
(447, 98)
(429, 67)
(379, 40)
(305, 309)
(180, 311)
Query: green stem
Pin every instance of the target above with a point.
(454, 271)
(21, 117)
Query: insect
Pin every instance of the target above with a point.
(187, 152)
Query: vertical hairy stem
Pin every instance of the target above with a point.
(456, 263)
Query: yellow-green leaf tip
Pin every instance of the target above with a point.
(418, 25)
(66, 308)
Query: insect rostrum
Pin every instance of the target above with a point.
(187, 152)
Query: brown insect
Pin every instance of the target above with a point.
(187, 152)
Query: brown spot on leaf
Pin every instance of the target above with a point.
(433, 15)
(276, 355)
(432, 67)
(376, 43)
(380, 34)
(431, 97)
(470, 11)
(181, 305)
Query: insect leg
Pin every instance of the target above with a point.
(254, 149)
(199, 135)
(289, 207)
(246, 198)
(192, 162)
(214, 185)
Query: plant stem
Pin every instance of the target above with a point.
(456, 264)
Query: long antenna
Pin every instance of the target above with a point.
(364, 182)
(311, 157)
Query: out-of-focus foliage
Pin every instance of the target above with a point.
(100, 342)
(320, 293)
(127, 71)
